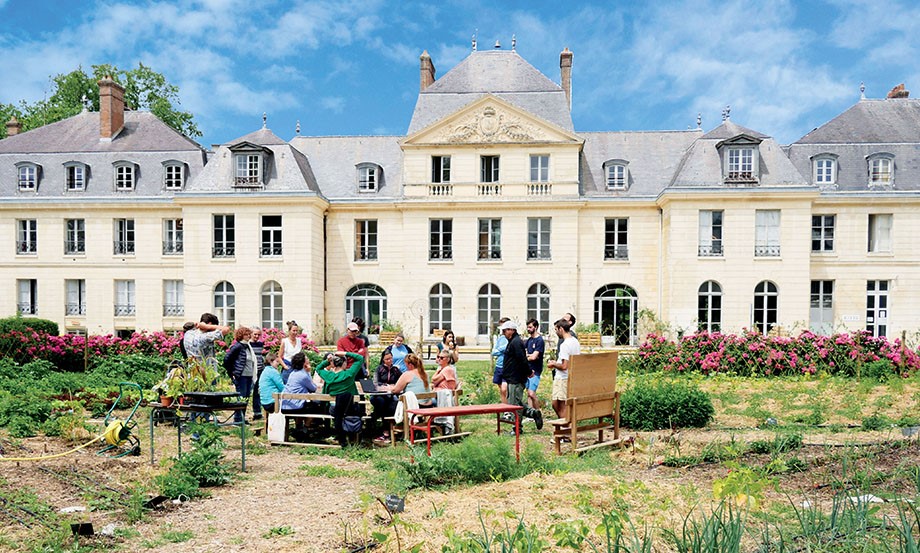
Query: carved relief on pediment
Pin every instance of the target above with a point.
(489, 126)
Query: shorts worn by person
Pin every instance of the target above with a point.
(567, 349)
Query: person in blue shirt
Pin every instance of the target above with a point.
(535, 347)
(498, 352)
(270, 383)
(300, 382)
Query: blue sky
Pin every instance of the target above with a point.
(343, 67)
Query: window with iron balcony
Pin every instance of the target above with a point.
(248, 170)
(75, 237)
(710, 233)
(616, 239)
(440, 240)
(538, 239)
(124, 237)
(271, 236)
(172, 237)
(26, 237)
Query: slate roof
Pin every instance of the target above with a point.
(285, 170)
(653, 158)
(701, 166)
(334, 161)
(892, 121)
(145, 141)
(500, 72)
(869, 127)
(143, 132)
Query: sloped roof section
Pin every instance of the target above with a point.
(701, 166)
(143, 132)
(652, 158)
(284, 168)
(892, 121)
(334, 161)
(500, 72)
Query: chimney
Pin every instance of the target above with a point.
(427, 71)
(899, 92)
(111, 108)
(565, 70)
(13, 126)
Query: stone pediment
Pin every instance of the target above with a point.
(491, 121)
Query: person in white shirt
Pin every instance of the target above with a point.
(569, 346)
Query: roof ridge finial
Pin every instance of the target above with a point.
(726, 113)
(474, 39)
(83, 100)
(264, 120)
(862, 90)
(498, 45)
(297, 128)
(513, 42)
(699, 120)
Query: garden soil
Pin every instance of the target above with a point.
(276, 506)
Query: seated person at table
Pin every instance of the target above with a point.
(300, 382)
(386, 374)
(340, 382)
(414, 380)
(445, 378)
(270, 382)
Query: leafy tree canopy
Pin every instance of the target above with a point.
(144, 89)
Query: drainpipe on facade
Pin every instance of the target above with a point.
(325, 276)
(660, 258)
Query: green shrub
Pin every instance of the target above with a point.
(473, 461)
(31, 407)
(22, 427)
(875, 422)
(22, 324)
(878, 370)
(781, 443)
(205, 461)
(176, 483)
(145, 370)
(655, 404)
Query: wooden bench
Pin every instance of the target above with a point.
(593, 402)
(324, 399)
(403, 426)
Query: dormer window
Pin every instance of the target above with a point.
(368, 177)
(740, 159)
(825, 169)
(617, 174)
(28, 176)
(125, 175)
(75, 175)
(248, 170)
(251, 165)
(173, 175)
(881, 169)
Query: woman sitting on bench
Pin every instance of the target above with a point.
(414, 380)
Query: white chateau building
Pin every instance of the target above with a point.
(491, 205)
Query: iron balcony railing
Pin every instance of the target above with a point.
(223, 251)
(75, 309)
(124, 310)
(172, 247)
(124, 247)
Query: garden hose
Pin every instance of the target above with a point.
(115, 434)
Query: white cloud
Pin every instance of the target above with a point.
(335, 104)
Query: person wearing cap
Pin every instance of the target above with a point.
(516, 370)
(352, 343)
(498, 352)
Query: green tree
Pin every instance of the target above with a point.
(144, 89)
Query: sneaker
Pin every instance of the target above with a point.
(507, 417)
(257, 417)
(538, 419)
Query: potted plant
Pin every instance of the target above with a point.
(388, 331)
(589, 335)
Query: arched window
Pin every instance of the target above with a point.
(490, 306)
(225, 303)
(709, 307)
(369, 302)
(440, 302)
(766, 303)
(615, 310)
(272, 305)
(881, 169)
(538, 304)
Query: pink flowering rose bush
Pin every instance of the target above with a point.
(753, 354)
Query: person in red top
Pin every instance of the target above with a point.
(352, 343)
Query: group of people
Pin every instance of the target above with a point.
(260, 374)
(519, 365)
